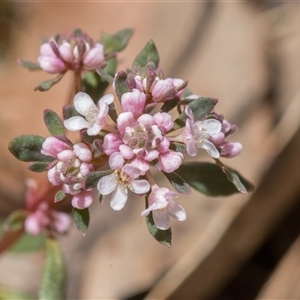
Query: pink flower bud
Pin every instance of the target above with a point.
(94, 57)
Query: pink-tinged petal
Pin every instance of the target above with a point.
(82, 200)
(190, 148)
(94, 57)
(163, 120)
(83, 152)
(53, 177)
(126, 152)
(124, 120)
(231, 149)
(104, 102)
(177, 82)
(189, 113)
(140, 186)
(170, 161)
(161, 219)
(146, 120)
(65, 51)
(151, 155)
(127, 136)
(131, 171)
(138, 83)
(116, 161)
(134, 102)
(94, 130)
(51, 65)
(111, 143)
(107, 184)
(76, 123)
(218, 138)
(66, 155)
(62, 221)
(140, 164)
(209, 147)
(163, 90)
(164, 145)
(52, 146)
(118, 198)
(32, 225)
(46, 50)
(83, 103)
(176, 211)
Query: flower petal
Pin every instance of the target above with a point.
(76, 123)
(116, 161)
(209, 147)
(82, 200)
(161, 219)
(140, 186)
(107, 184)
(176, 211)
(83, 102)
(118, 198)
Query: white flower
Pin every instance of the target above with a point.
(115, 186)
(93, 117)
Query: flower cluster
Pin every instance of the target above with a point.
(120, 150)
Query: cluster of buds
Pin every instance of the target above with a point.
(73, 52)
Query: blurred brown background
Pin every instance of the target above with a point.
(245, 53)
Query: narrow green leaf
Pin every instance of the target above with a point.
(81, 218)
(200, 107)
(69, 111)
(93, 178)
(164, 237)
(209, 179)
(28, 147)
(39, 166)
(15, 221)
(29, 65)
(53, 123)
(48, 84)
(169, 105)
(116, 42)
(28, 243)
(148, 54)
(178, 183)
(60, 195)
(104, 75)
(178, 147)
(112, 112)
(54, 277)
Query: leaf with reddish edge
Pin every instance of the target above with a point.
(121, 85)
(48, 84)
(53, 123)
(81, 218)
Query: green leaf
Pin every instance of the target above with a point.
(15, 221)
(28, 147)
(200, 107)
(148, 54)
(210, 180)
(93, 178)
(48, 84)
(178, 183)
(178, 147)
(54, 279)
(104, 75)
(29, 65)
(60, 195)
(13, 295)
(121, 85)
(94, 85)
(39, 166)
(69, 111)
(53, 123)
(164, 237)
(116, 42)
(169, 105)
(81, 218)
(28, 243)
